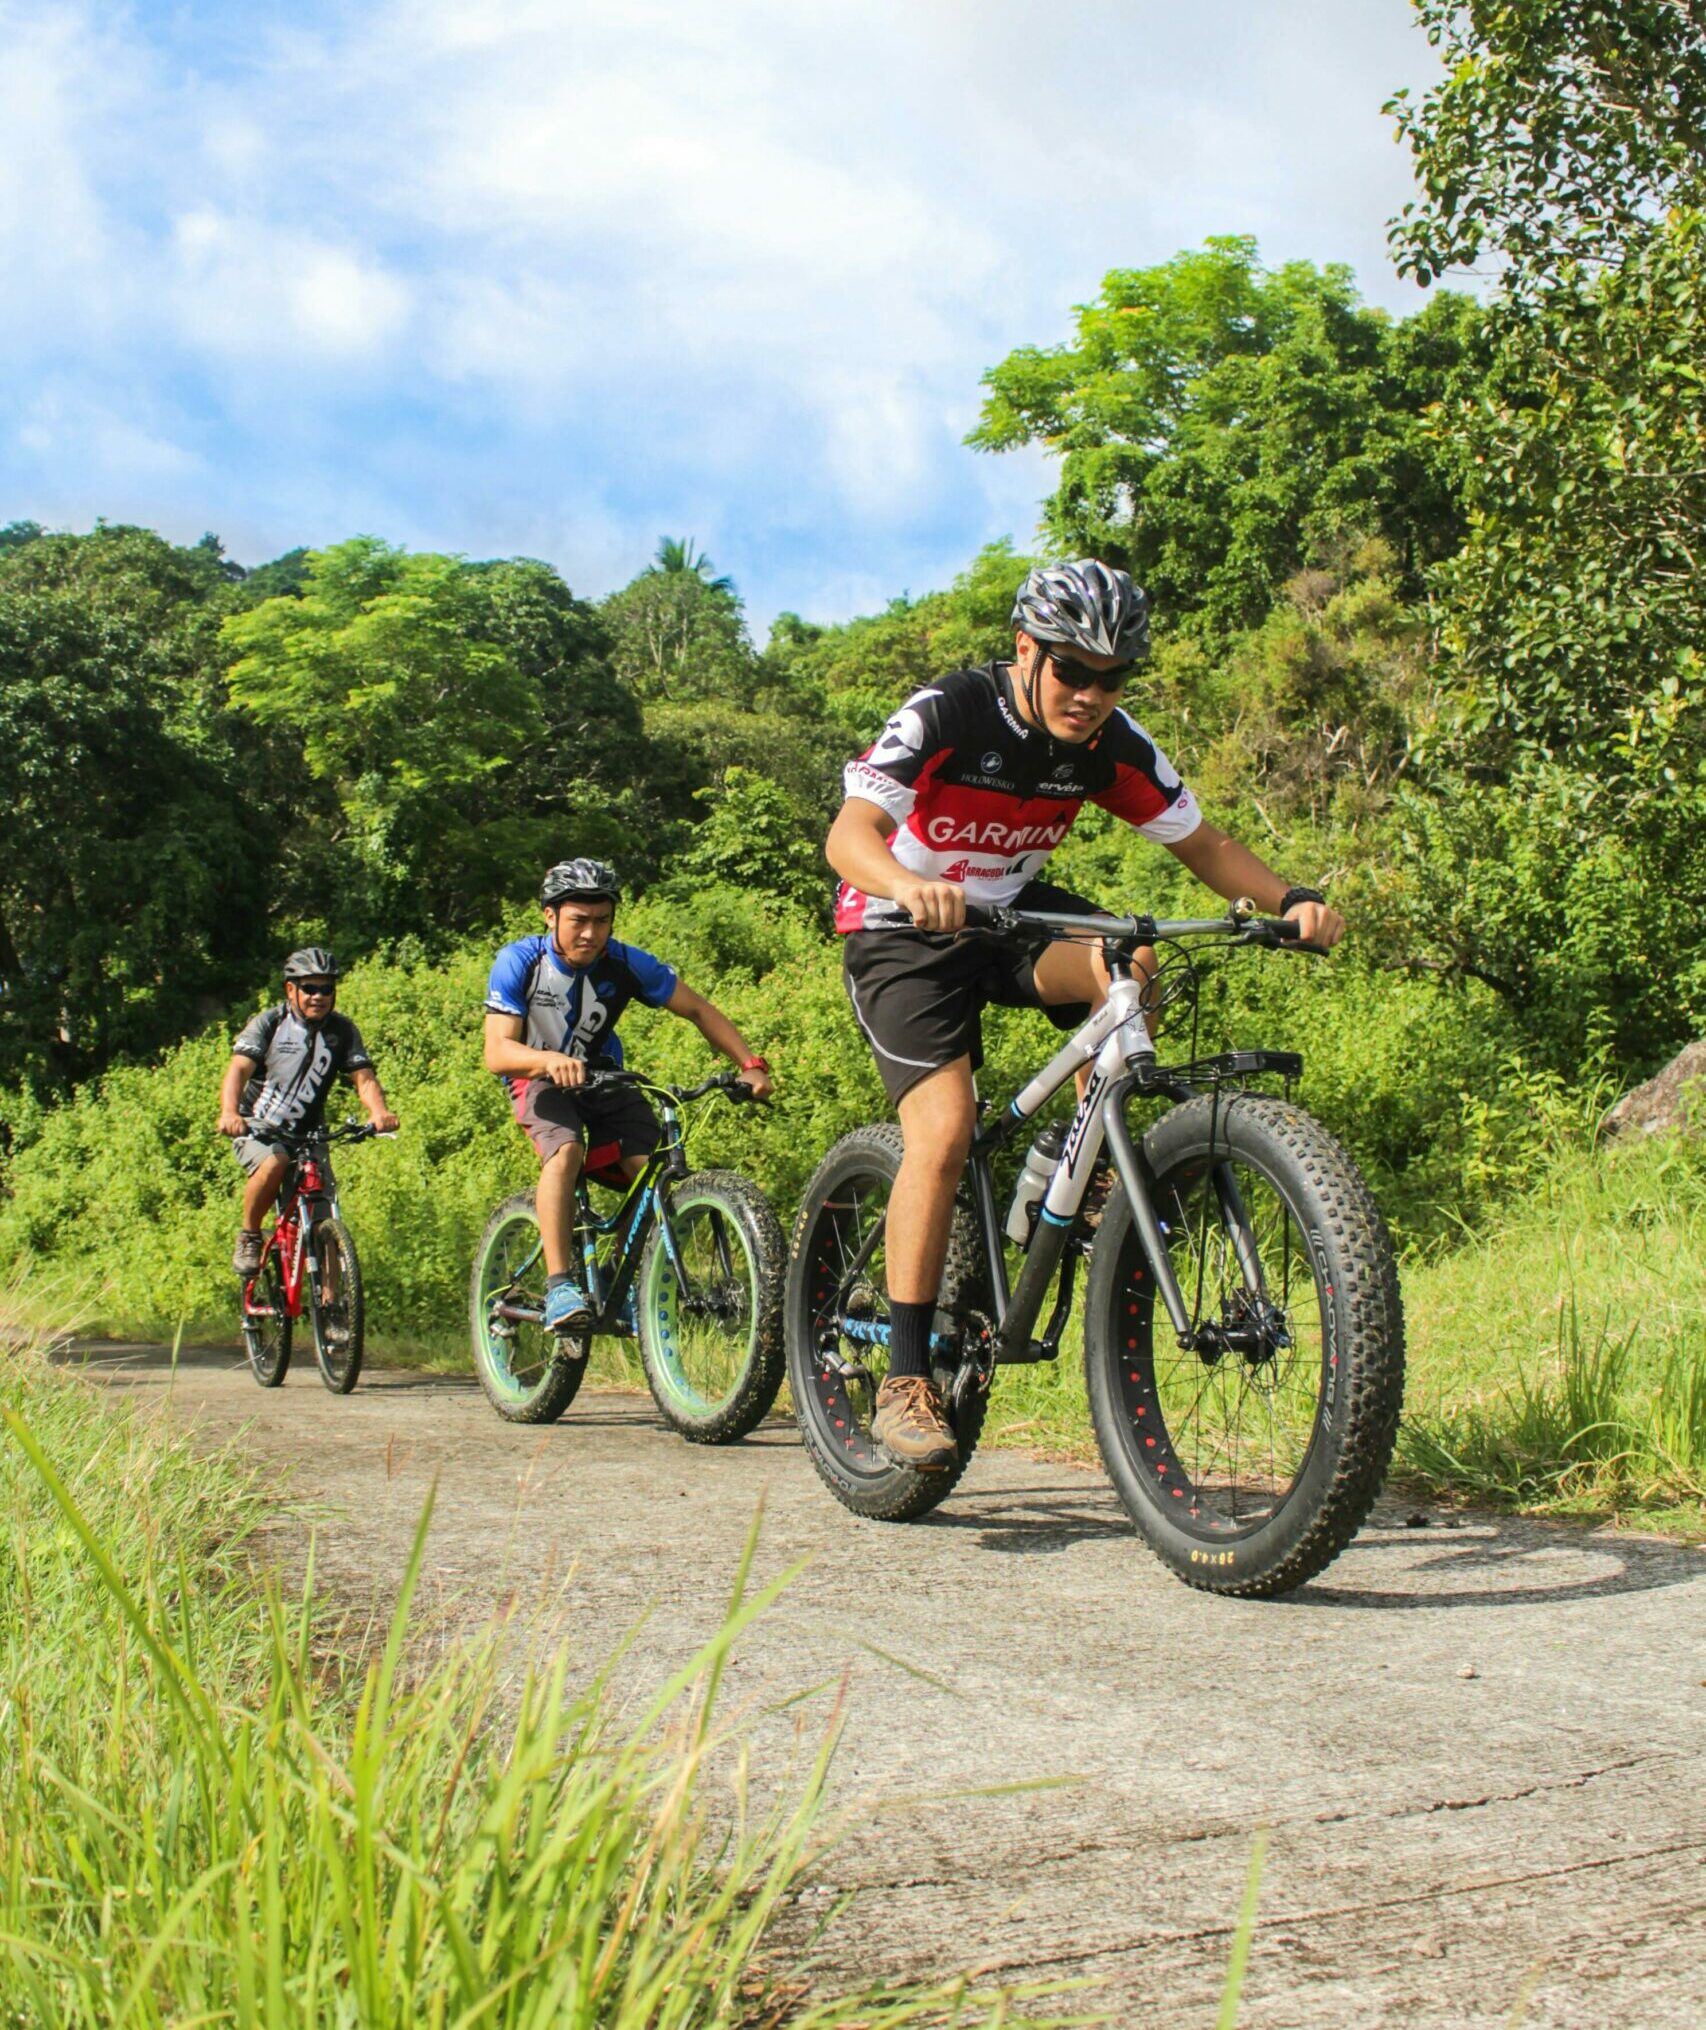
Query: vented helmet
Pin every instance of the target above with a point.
(580, 881)
(1085, 605)
(313, 962)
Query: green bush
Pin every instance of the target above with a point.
(128, 1193)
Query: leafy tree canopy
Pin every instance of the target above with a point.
(1218, 424)
(1568, 140)
(1559, 133)
(131, 868)
(678, 631)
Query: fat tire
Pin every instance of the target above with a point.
(339, 1374)
(890, 1492)
(1354, 1269)
(556, 1390)
(750, 1401)
(269, 1366)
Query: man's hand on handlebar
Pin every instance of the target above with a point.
(933, 905)
(756, 1081)
(231, 1123)
(1319, 925)
(384, 1122)
(561, 1069)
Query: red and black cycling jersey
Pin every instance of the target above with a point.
(982, 799)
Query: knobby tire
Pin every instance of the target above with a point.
(849, 1188)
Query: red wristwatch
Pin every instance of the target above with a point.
(756, 1064)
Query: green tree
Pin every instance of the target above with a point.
(409, 712)
(1557, 136)
(1568, 143)
(757, 834)
(678, 631)
(1218, 425)
(861, 669)
(132, 858)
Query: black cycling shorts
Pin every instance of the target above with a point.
(619, 1117)
(919, 995)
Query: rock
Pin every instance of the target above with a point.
(1675, 1099)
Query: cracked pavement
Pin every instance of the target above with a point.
(1477, 1745)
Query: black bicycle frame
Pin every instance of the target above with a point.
(644, 1202)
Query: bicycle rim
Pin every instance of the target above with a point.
(846, 1280)
(337, 1318)
(704, 1315)
(517, 1356)
(267, 1323)
(1227, 1433)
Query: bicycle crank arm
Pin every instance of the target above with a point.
(519, 1314)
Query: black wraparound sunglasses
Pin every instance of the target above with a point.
(1077, 677)
(316, 986)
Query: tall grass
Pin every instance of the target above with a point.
(211, 1815)
(1560, 1359)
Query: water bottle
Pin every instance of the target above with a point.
(1041, 1161)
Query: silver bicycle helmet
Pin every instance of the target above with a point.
(312, 962)
(580, 881)
(1085, 605)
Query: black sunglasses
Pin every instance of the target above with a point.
(316, 986)
(1077, 677)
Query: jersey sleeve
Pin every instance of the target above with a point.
(506, 990)
(654, 980)
(1146, 790)
(893, 771)
(355, 1055)
(255, 1037)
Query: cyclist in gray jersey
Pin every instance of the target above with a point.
(276, 1086)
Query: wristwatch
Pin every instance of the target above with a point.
(1293, 896)
(755, 1064)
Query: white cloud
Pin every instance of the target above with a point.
(248, 288)
(630, 265)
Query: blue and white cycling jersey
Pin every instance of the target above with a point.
(575, 1009)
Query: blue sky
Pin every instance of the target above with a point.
(557, 277)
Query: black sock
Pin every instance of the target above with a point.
(909, 1337)
(560, 1279)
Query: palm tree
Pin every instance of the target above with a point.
(677, 554)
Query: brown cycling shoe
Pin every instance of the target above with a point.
(247, 1257)
(912, 1425)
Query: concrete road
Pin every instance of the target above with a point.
(1477, 1743)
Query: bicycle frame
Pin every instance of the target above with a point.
(303, 1199)
(644, 1202)
(1116, 1043)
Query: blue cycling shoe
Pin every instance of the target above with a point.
(566, 1309)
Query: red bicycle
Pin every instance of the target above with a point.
(310, 1254)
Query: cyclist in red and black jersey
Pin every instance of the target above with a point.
(975, 781)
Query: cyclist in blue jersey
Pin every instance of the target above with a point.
(552, 1006)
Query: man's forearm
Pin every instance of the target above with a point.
(721, 1034)
(1228, 867)
(857, 849)
(514, 1059)
(370, 1093)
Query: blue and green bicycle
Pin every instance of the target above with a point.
(690, 1263)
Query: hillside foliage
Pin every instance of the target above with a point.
(1429, 613)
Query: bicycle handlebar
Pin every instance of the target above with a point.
(1245, 926)
(728, 1083)
(346, 1131)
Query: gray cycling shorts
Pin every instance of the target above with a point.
(254, 1150)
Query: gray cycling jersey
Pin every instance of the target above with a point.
(298, 1062)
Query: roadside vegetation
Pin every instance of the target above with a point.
(222, 1805)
